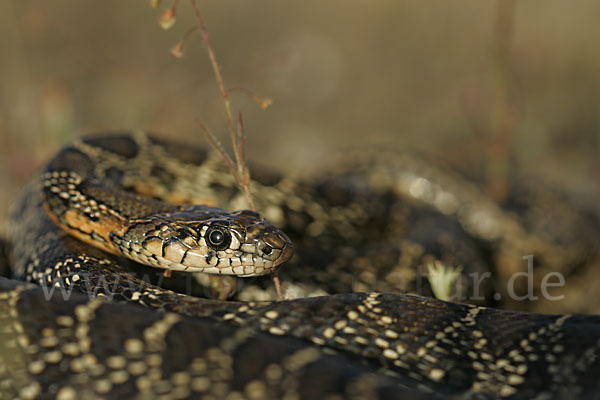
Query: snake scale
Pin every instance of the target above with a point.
(83, 322)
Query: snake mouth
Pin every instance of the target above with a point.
(237, 263)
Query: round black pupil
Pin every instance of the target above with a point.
(216, 237)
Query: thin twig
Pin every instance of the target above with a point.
(277, 284)
(216, 68)
(177, 50)
(241, 138)
(237, 138)
(238, 168)
(212, 139)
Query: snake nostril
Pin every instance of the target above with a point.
(266, 250)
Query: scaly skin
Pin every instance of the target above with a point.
(353, 345)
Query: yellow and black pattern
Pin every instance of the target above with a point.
(156, 355)
(193, 238)
(349, 346)
(81, 333)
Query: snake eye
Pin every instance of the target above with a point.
(266, 250)
(218, 238)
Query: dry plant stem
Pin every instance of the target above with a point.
(177, 50)
(241, 175)
(188, 33)
(217, 145)
(217, 70)
(241, 137)
(239, 170)
(243, 171)
(277, 285)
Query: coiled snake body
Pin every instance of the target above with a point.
(61, 338)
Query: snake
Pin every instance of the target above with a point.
(87, 310)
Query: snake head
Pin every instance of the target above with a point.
(210, 240)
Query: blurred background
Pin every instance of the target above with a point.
(485, 86)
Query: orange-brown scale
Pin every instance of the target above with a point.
(84, 228)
